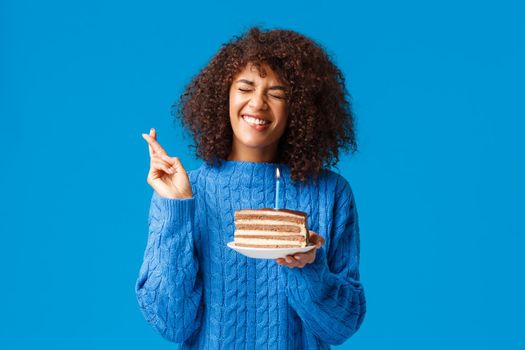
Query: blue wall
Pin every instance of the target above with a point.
(438, 91)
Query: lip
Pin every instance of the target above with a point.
(255, 116)
(255, 126)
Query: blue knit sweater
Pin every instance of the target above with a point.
(196, 291)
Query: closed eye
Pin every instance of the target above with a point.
(274, 96)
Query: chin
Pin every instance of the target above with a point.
(254, 145)
(256, 142)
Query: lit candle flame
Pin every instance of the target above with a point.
(277, 174)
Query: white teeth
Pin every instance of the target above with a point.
(253, 120)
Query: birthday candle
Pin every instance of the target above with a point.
(277, 185)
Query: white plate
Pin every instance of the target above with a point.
(268, 253)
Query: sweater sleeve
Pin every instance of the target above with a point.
(327, 294)
(168, 288)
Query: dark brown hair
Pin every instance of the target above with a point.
(320, 119)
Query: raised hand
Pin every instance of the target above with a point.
(166, 174)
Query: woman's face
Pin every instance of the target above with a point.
(258, 112)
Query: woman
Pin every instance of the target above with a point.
(267, 99)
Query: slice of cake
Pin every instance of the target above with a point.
(270, 228)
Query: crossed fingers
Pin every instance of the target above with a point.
(154, 147)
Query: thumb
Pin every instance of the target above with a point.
(316, 239)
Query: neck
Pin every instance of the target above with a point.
(257, 155)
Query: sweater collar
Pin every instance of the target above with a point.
(256, 168)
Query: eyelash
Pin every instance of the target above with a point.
(274, 96)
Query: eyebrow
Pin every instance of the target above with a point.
(276, 87)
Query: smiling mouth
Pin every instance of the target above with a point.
(257, 124)
(255, 121)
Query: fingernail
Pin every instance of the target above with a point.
(297, 257)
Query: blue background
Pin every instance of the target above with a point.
(438, 90)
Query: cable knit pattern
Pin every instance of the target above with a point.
(197, 292)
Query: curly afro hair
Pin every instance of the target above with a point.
(320, 119)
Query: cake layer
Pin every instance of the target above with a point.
(269, 233)
(271, 214)
(267, 221)
(270, 228)
(270, 217)
(273, 242)
(271, 211)
(279, 237)
(273, 228)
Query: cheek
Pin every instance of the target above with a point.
(282, 129)
(237, 99)
(283, 120)
(231, 102)
(234, 109)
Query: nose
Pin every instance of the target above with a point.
(257, 102)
